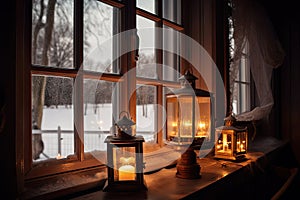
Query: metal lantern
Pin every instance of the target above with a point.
(232, 140)
(124, 164)
(189, 118)
(189, 114)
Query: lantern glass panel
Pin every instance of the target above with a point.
(241, 142)
(186, 120)
(172, 118)
(202, 117)
(225, 143)
(124, 162)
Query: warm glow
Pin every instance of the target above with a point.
(59, 156)
(174, 124)
(187, 123)
(126, 172)
(127, 161)
(202, 125)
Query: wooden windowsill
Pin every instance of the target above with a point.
(163, 184)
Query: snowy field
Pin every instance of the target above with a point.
(97, 127)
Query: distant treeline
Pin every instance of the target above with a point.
(59, 91)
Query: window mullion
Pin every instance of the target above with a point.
(78, 81)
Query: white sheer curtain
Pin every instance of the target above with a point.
(252, 25)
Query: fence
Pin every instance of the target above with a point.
(60, 143)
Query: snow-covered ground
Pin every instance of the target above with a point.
(96, 126)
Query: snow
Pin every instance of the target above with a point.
(96, 126)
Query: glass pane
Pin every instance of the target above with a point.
(185, 117)
(52, 33)
(241, 98)
(202, 115)
(52, 117)
(97, 113)
(172, 10)
(171, 59)
(172, 118)
(148, 5)
(101, 22)
(146, 64)
(146, 112)
(124, 163)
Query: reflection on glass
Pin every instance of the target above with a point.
(97, 113)
(148, 5)
(171, 59)
(100, 48)
(172, 10)
(52, 33)
(124, 163)
(52, 118)
(146, 64)
(146, 112)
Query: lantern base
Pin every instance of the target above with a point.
(239, 158)
(187, 167)
(124, 186)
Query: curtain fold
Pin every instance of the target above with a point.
(253, 27)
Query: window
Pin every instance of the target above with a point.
(241, 87)
(158, 27)
(240, 77)
(77, 77)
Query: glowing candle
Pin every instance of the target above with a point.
(126, 172)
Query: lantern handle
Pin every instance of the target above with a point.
(125, 113)
(190, 69)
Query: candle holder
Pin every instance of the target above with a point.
(125, 159)
(232, 140)
(189, 123)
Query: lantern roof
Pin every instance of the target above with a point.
(234, 128)
(190, 91)
(188, 76)
(125, 121)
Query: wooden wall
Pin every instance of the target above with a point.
(8, 180)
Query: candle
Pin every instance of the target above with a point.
(126, 172)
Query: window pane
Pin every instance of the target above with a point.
(146, 112)
(172, 10)
(146, 64)
(148, 5)
(171, 47)
(52, 117)
(97, 113)
(244, 70)
(241, 101)
(52, 33)
(100, 48)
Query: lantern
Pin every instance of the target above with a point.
(232, 140)
(125, 159)
(188, 122)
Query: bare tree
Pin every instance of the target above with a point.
(39, 82)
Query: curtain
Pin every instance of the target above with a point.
(252, 26)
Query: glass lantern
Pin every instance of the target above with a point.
(125, 158)
(232, 141)
(188, 113)
(124, 164)
(189, 122)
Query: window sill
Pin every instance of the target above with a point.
(89, 184)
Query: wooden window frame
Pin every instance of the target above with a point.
(128, 12)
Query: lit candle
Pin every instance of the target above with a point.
(58, 157)
(126, 172)
(238, 145)
(242, 147)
